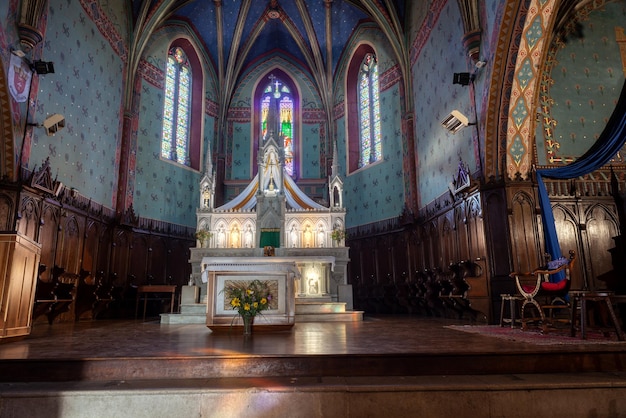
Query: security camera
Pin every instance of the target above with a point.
(53, 124)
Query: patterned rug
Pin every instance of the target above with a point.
(555, 336)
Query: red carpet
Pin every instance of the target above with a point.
(556, 336)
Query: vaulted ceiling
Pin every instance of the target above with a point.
(236, 32)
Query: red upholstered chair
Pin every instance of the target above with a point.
(542, 294)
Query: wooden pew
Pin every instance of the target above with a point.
(54, 297)
(93, 294)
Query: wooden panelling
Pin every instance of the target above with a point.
(19, 260)
(503, 234)
(600, 227)
(77, 235)
(524, 229)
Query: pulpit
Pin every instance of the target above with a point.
(19, 262)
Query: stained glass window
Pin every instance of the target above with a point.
(277, 109)
(369, 112)
(176, 108)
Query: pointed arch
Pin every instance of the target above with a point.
(290, 114)
(362, 98)
(183, 105)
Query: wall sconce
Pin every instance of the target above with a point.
(463, 78)
(52, 124)
(40, 67)
(455, 121)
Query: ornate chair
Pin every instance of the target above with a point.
(546, 296)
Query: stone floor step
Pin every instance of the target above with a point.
(522, 395)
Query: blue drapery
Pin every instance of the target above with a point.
(607, 145)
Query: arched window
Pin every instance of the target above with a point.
(177, 108)
(277, 110)
(363, 112)
(369, 112)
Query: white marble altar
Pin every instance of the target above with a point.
(279, 273)
(272, 229)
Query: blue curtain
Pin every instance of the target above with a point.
(607, 145)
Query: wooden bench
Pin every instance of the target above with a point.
(604, 300)
(93, 294)
(155, 292)
(54, 297)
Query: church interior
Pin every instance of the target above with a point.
(398, 171)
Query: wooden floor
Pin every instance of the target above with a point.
(378, 346)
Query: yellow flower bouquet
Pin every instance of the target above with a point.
(248, 299)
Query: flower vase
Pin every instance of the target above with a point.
(247, 324)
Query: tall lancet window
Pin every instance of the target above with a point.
(369, 112)
(277, 111)
(177, 108)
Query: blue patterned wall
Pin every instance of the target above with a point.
(310, 156)
(376, 192)
(438, 151)
(87, 89)
(165, 190)
(241, 151)
(582, 87)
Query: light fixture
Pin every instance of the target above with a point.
(43, 67)
(52, 124)
(40, 67)
(456, 121)
(463, 78)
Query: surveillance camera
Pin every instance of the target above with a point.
(53, 124)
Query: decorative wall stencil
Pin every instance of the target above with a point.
(519, 133)
(83, 155)
(438, 151)
(576, 97)
(163, 190)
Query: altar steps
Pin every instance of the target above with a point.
(306, 311)
(190, 313)
(325, 311)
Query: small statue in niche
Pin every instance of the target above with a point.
(221, 238)
(293, 234)
(234, 238)
(248, 237)
(206, 198)
(321, 236)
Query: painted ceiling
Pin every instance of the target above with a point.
(297, 27)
